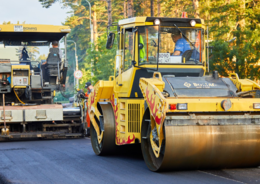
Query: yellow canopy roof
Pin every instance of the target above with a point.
(166, 21)
(32, 32)
(34, 28)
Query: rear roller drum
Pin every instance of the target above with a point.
(107, 145)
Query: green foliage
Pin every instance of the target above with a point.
(61, 99)
(102, 59)
(227, 19)
(235, 19)
(241, 57)
(47, 3)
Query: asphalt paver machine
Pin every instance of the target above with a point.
(28, 86)
(182, 118)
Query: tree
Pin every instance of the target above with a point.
(42, 57)
(109, 12)
(130, 8)
(226, 20)
(233, 19)
(196, 8)
(32, 51)
(158, 8)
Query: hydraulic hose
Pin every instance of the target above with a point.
(18, 97)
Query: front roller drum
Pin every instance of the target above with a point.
(107, 145)
(204, 147)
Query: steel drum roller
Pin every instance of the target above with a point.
(198, 147)
(71, 111)
(107, 146)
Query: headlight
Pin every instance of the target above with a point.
(192, 23)
(226, 104)
(182, 106)
(157, 22)
(256, 105)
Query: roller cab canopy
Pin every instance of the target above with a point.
(164, 21)
(30, 34)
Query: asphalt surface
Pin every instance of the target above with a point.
(73, 161)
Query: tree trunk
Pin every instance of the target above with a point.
(130, 8)
(109, 12)
(196, 8)
(125, 11)
(240, 36)
(95, 23)
(242, 21)
(152, 14)
(158, 8)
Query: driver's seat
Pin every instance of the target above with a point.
(53, 65)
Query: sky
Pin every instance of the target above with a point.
(32, 12)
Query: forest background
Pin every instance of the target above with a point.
(234, 34)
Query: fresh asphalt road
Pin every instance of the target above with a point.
(73, 161)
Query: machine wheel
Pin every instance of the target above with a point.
(107, 146)
(151, 161)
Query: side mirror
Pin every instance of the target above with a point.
(110, 40)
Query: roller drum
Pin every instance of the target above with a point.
(107, 146)
(205, 147)
(71, 111)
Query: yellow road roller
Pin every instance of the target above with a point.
(160, 97)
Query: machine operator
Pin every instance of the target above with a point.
(24, 56)
(55, 44)
(181, 44)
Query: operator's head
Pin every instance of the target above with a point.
(176, 35)
(88, 86)
(55, 44)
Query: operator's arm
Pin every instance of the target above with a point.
(177, 53)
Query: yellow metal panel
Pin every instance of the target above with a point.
(105, 89)
(129, 120)
(198, 25)
(243, 84)
(173, 66)
(35, 28)
(214, 104)
(149, 23)
(127, 80)
(20, 67)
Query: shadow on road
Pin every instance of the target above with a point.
(129, 151)
(3, 180)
